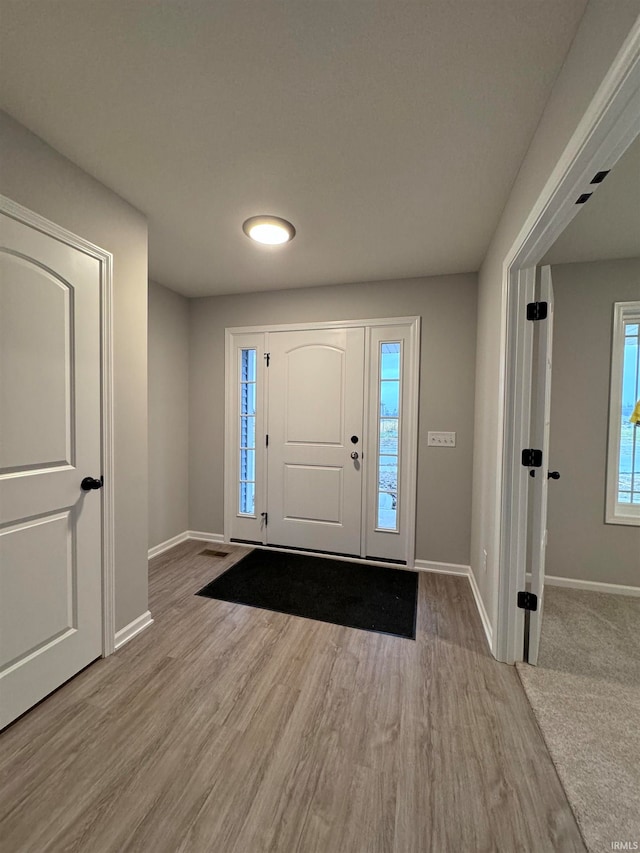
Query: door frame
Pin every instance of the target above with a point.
(608, 127)
(105, 259)
(412, 404)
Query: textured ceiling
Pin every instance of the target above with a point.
(608, 225)
(388, 132)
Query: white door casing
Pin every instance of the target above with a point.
(316, 403)
(540, 439)
(357, 534)
(52, 341)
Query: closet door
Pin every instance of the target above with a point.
(50, 465)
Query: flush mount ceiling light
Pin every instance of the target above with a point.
(270, 230)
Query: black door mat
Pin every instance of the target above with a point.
(372, 598)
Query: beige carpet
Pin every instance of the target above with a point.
(585, 694)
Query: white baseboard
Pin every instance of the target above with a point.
(441, 568)
(200, 536)
(132, 629)
(592, 586)
(184, 537)
(459, 570)
(169, 543)
(484, 616)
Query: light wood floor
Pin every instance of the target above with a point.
(229, 729)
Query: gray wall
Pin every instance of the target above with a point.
(168, 414)
(602, 32)
(580, 544)
(36, 176)
(447, 305)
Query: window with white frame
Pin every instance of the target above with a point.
(623, 468)
(247, 432)
(389, 387)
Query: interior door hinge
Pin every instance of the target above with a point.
(267, 358)
(266, 443)
(537, 311)
(265, 517)
(532, 458)
(527, 600)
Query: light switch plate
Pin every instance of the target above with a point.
(441, 439)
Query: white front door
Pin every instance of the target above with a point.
(315, 427)
(50, 439)
(540, 439)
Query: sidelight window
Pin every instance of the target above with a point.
(247, 432)
(623, 475)
(389, 384)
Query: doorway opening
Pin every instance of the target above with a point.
(587, 647)
(609, 127)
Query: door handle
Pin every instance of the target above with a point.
(90, 483)
(354, 454)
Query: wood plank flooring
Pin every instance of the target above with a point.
(228, 729)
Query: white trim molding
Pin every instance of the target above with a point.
(323, 324)
(456, 569)
(132, 630)
(167, 544)
(484, 616)
(201, 536)
(105, 259)
(591, 586)
(185, 536)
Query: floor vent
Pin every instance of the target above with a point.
(209, 552)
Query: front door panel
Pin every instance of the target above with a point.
(316, 382)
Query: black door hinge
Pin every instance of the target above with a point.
(537, 311)
(265, 516)
(266, 443)
(532, 458)
(267, 358)
(527, 601)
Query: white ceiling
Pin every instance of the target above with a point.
(608, 225)
(388, 132)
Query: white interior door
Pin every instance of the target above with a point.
(50, 439)
(540, 439)
(316, 406)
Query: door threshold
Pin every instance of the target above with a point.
(329, 555)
